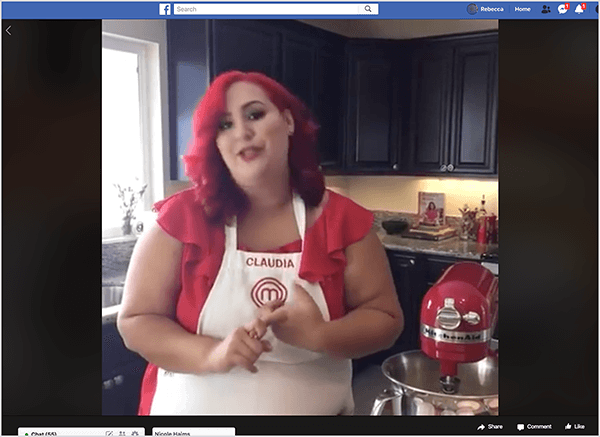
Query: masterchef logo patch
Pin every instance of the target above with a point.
(267, 289)
(269, 262)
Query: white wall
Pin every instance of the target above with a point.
(401, 193)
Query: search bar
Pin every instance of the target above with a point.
(276, 9)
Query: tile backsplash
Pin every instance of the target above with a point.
(400, 193)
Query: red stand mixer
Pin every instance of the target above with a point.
(455, 372)
(458, 315)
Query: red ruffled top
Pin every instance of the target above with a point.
(341, 223)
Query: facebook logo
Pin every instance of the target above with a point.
(164, 9)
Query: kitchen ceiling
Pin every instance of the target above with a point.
(402, 29)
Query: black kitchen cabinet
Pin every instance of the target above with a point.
(371, 122)
(418, 107)
(244, 45)
(429, 140)
(299, 59)
(407, 272)
(122, 373)
(423, 107)
(329, 110)
(307, 60)
(475, 108)
(435, 266)
(454, 107)
(313, 71)
(188, 76)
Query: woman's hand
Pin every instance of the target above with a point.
(244, 346)
(300, 323)
(238, 349)
(266, 316)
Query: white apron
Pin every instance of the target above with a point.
(290, 380)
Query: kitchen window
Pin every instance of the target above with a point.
(131, 136)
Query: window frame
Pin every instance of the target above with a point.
(150, 110)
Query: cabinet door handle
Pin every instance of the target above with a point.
(119, 379)
(320, 168)
(107, 385)
(395, 167)
(450, 167)
(443, 167)
(411, 262)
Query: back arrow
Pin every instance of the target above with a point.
(8, 31)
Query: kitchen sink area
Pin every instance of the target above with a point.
(122, 369)
(111, 302)
(116, 254)
(111, 296)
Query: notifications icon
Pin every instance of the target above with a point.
(520, 426)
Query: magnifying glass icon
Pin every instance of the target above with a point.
(368, 8)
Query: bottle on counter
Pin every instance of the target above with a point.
(492, 229)
(482, 231)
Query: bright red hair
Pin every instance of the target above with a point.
(215, 189)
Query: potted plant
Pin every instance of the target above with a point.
(129, 198)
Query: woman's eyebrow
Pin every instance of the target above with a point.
(245, 105)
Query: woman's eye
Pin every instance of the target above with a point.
(256, 115)
(224, 125)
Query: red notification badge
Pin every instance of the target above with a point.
(583, 6)
(567, 6)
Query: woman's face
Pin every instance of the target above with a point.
(253, 136)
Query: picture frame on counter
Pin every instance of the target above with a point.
(432, 209)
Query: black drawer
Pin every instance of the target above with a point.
(114, 352)
(121, 390)
(436, 267)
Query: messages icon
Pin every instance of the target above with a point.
(520, 426)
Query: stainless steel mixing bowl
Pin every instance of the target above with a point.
(416, 387)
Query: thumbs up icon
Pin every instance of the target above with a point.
(568, 426)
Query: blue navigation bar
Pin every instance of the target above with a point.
(302, 10)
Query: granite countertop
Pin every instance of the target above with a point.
(114, 280)
(115, 261)
(454, 247)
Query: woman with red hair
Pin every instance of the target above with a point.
(257, 286)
